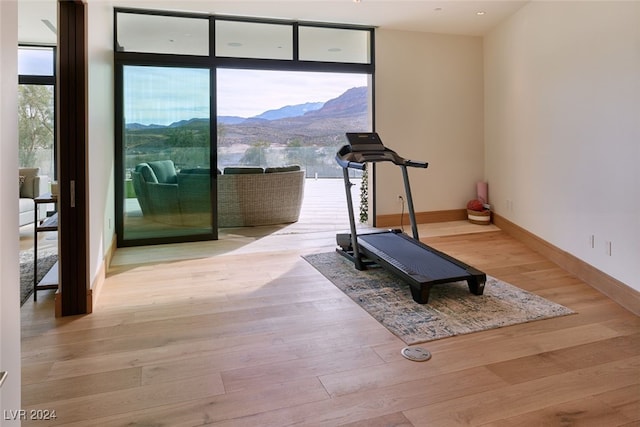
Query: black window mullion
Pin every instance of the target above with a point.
(212, 37)
(296, 42)
(213, 148)
(37, 80)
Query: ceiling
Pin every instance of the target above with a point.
(37, 18)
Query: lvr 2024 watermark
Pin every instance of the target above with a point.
(29, 414)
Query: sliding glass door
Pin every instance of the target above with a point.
(166, 187)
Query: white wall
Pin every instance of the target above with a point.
(9, 230)
(562, 140)
(429, 107)
(101, 132)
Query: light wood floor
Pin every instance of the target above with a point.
(243, 332)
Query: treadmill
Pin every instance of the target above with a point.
(419, 265)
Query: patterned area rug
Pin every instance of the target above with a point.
(452, 309)
(46, 259)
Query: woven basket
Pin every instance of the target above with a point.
(479, 217)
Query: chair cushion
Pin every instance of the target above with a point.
(147, 173)
(165, 171)
(26, 205)
(243, 170)
(27, 187)
(196, 171)
(292, 168)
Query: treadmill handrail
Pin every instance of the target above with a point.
(345, 154)
(346, 164)
(416, 164)
(340, 158)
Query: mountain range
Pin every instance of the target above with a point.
(311, 123)
(353, 101)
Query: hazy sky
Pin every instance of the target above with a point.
(165, 95)
(247, 93)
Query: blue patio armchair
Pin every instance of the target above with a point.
(171, 197)
(156, 187)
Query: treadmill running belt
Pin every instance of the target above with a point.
(416, 261)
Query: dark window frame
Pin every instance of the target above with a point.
(30, 79)
(122, 58)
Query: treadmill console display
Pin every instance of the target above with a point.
(365, 141)
(367, 147)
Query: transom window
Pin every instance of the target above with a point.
(190, 34)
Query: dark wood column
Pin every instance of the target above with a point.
(72, 113)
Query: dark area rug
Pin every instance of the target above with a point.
(452, 309)
(46, 259)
